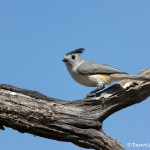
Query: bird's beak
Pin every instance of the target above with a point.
(65, 60)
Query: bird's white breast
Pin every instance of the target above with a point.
(88, 80)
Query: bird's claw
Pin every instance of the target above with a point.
(90, 95)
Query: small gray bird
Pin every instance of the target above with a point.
(92, 74)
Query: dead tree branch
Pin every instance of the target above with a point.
(79, 121)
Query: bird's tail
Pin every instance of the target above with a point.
(132, 77)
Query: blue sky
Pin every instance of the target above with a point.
(35, 35)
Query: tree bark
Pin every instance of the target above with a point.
(78, 121)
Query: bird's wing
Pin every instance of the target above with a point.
(89, 67)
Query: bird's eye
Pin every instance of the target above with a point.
(73, 56)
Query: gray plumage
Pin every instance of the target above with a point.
(89, 67)
(93, 74)
(92, 68)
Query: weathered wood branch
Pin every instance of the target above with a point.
(79, 121)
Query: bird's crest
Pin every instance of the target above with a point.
(76, 51)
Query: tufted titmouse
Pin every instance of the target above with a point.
(92, 74)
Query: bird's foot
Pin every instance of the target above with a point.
(90, 95)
